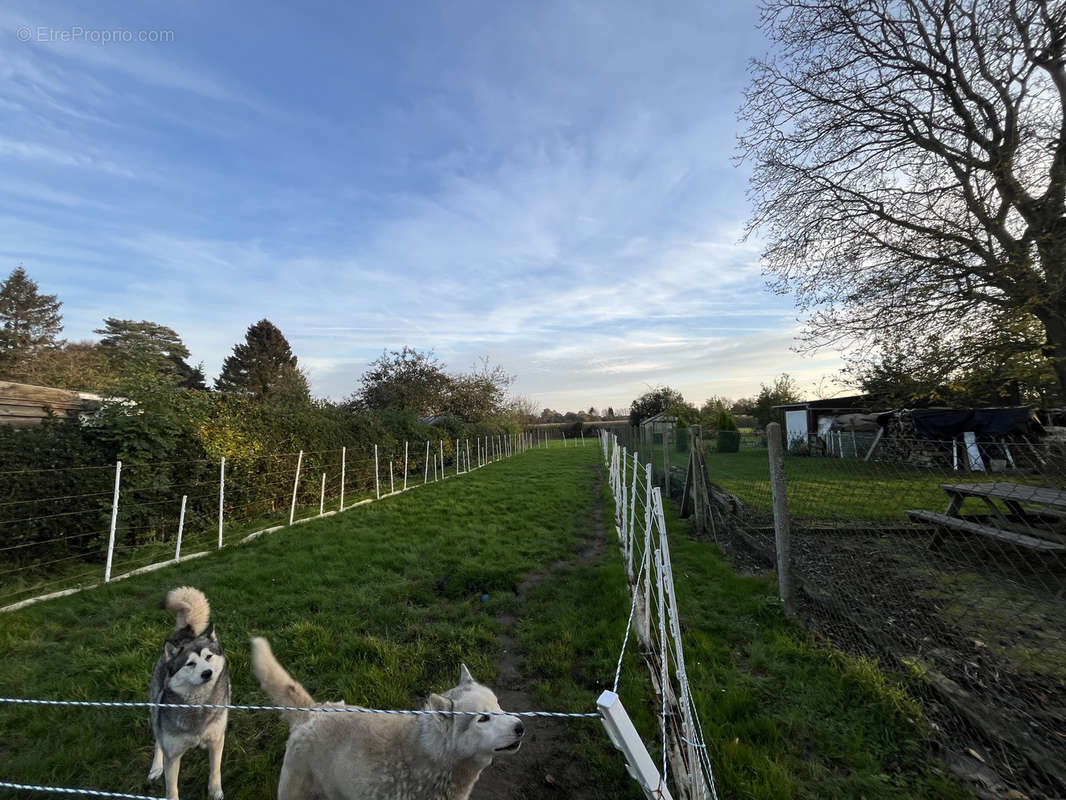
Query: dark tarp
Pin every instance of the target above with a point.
(984, 422)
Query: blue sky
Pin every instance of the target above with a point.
(547, 184)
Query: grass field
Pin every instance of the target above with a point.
(822, 488)
(381, 604)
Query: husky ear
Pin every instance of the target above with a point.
(437, 702)
(210, 632)
(464, 675)
(170, 649)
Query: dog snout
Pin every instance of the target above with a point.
(206, 674)
(519, 729)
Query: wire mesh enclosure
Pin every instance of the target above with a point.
(951, 575)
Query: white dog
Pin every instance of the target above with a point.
(358, 756)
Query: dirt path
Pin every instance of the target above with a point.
(542, 768)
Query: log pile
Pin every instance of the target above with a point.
(901, 445)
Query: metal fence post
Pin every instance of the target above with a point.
(181, 526)
(295, 486)
(114, 520)
(377, 481)
(344, 463)
(782, 532)
(221, 497)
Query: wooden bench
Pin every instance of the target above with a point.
(945, 521)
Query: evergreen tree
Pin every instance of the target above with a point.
(29, 321)
(263, 366)
(152, 345)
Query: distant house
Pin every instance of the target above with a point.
(23, 405)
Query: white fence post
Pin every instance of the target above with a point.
(425, 476)
(181, 526)
(221, 497)
(392, 484)
(114, 520)
(322, 497)
(344, 463)
(468, 454)
(624, 736)
(377, 482)
(295, 486)
(443, 474)
(405, 446)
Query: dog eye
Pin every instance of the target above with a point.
(484, 718)
(190, 664)
(207, 657)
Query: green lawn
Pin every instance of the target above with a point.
(835, 489)
(379, 605)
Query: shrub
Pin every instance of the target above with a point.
(728, 441)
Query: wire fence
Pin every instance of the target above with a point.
(66, 529)
(685, 764)
(944, 561)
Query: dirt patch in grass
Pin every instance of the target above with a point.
(543, 768)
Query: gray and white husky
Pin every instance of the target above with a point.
(353, 756)
(191, 671)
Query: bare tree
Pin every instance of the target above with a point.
(910, 171)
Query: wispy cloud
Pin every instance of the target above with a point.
(556, 195)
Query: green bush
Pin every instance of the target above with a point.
(728, 441)
(726, 421)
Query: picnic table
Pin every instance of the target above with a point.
(1032, 514)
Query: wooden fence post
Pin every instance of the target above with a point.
(666, 462)
(782, 527)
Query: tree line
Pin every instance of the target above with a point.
(160, 407)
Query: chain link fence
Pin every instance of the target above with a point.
(943, 561)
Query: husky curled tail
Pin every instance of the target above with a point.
(278, 683)
(190, 609)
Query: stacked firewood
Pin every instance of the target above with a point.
(900, 445)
